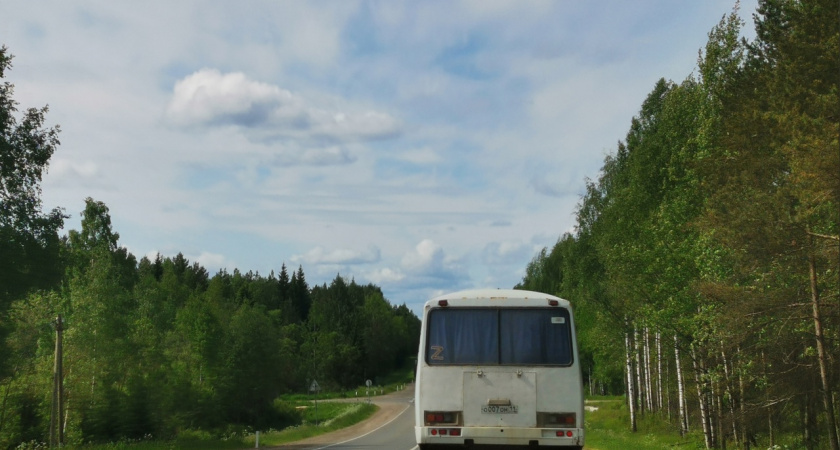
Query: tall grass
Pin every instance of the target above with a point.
(608, 428)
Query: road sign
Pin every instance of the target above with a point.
(368, 383)
(314, 386)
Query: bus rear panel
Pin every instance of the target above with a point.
(498, 368)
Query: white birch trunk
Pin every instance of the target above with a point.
(648, 371)
(680, 388)
(628, 364)
(701, 399)
(730, 394)
(658, 338)
(639, 363)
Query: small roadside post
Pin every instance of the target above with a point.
(315, 388)
(368, 383)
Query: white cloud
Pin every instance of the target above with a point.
(385, 276)
(422, 156)
(505, 252)
(320, 255)
(426, 257)
(294, 155)
(210, 98)
(65, 169)
(428, 264)
(211, 261)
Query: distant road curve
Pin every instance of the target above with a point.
(391, 428)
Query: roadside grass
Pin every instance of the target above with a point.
(330, 416)
(608, 428)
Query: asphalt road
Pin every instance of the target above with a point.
(391, 428)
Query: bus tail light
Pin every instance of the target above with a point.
(442, 418)
(568, 433)
(445, 431)
(556, 420)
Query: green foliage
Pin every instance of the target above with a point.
(157, 348)
(29, 243)
(716, 222)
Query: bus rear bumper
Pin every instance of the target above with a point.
(549, 437)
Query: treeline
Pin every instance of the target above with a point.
(156, 346)
(704, 263)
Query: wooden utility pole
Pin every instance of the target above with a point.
(57, 412)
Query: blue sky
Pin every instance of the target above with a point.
(421, 146)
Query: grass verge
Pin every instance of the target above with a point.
(331, 416)
(608, 428)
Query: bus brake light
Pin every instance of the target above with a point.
(442, 418)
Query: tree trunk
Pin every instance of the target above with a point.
(732, 400)
(809, 423)
(668, 390)
(770, 430)
(718, 435)
(818, 331)
(658, 339)
(745, 434)
(639, 363)
(628, 363)
(648, 371)
(680, 388)
(702, 400)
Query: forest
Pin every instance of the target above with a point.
(703, 265)
(154, 347)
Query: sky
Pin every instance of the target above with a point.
(424, 147)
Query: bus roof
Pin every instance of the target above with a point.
(484, 296)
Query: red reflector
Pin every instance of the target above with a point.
(434, 432)
(443, 431)
(569, 434)
(443, 302)
(553, 303)
(455, 432)
(559, 434)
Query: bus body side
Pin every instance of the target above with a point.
(502, 402)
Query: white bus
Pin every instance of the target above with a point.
(498, 368)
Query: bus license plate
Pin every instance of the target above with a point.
(504, 409)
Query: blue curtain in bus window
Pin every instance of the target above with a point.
(463, 336)
(535, 336)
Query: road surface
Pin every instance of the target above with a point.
(390, 428)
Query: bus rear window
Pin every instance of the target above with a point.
(494, 336)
